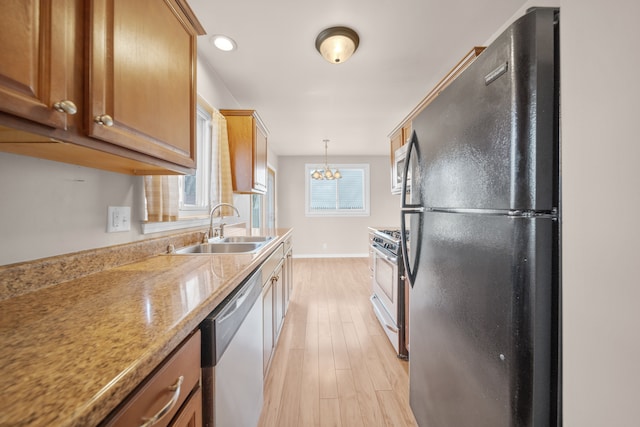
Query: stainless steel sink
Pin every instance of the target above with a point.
(246, 239)
(220, 248)
(226, 245)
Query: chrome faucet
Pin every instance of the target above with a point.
(222, 224)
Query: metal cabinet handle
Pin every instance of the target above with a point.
(166, 408)
(66, 106)
(104, 119)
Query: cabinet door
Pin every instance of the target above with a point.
(288, 279)
(267, 323)
(278, 315)
(370, 255)
(406, 132)
(190, 414)
(248, 150)
(142, 62)
(35, 59)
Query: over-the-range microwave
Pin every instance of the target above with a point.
(397, 171)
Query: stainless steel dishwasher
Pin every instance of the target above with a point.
(232, 378)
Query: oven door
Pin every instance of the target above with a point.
(385, 281)
(385, 298)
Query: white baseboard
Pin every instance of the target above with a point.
(296, 255)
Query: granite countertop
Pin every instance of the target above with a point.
(72, 352)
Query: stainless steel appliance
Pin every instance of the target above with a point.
(397, 170)
(232, 378)
(483, 253)
(388, 287)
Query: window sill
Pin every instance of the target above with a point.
(345, 214)
(157, 227)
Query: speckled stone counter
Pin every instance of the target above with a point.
(70, 353)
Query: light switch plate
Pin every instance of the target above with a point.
(118, 218)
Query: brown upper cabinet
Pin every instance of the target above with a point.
(248, 150)
(35, 62)
(109, 84)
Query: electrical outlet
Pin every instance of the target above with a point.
(118, 218)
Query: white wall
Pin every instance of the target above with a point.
(601, 199)
(50, 208)
(343, 236)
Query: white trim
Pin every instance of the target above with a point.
(183, 223)
(297, 255)
(156, 227)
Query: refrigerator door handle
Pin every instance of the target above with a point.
(405, 173)
(415, 209)
(410, 209)
(410, 267)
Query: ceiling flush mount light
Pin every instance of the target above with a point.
(337, 44)
(326, 173)
(223, 42)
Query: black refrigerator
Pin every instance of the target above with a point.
(481, 238)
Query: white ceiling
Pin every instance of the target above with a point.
(406, 47)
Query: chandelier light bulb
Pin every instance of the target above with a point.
(326, 173)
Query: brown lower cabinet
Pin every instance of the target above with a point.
(275, 296)
(172, 393)
(190, 414)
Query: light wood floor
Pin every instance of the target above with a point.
(333, 365)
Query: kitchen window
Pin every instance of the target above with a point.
(195, 190)
(190, 197)
(348, 196)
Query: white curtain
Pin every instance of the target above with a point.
(221, 184)
(161, 193)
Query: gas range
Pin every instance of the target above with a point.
(388, 287)
(388, 240)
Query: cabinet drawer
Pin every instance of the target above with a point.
(155, 393)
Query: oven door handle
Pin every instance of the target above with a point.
(382, 317)
(391, 259)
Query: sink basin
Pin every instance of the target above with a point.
(227, 245)
(221, 248)
(246, 239)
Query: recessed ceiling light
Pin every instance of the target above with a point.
(223, 42)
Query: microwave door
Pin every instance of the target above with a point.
(400, 156)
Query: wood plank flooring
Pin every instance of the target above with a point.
(333, 365)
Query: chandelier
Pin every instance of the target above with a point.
(326, 173)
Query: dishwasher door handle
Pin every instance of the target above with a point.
(237, 303)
